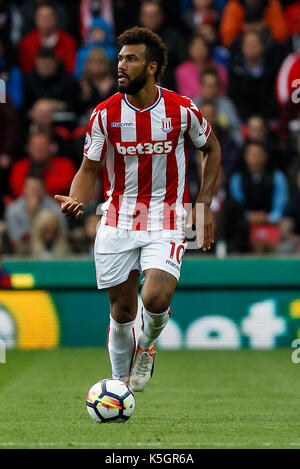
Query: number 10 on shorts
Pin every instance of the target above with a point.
(177, 251)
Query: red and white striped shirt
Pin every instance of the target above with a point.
(146, 159)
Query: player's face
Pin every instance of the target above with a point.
(132, 68)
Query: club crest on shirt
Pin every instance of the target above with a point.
(166, 124)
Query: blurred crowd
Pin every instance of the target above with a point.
(239, 60)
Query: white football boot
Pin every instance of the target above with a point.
(142, 369)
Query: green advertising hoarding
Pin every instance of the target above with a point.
(218, 305)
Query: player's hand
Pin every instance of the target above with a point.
(69, 206)
(209, 229)
(203, 220)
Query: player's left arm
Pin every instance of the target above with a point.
(209, 171)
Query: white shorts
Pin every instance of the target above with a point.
(118, 252)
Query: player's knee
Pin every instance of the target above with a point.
(122, 313)
(156, 302)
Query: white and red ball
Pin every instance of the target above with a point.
(110, 400)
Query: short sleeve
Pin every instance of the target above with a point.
(95, 142)
(199, 127)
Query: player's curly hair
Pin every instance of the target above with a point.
(155, 48)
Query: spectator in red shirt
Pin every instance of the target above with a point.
(292, 16)
(47, 34)
(57, 171)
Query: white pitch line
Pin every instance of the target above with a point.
(73, 443)
(141, 444)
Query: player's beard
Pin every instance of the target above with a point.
(135, 85)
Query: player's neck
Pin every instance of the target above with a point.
(144, 98)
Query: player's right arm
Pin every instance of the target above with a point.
(81, 190)
(83, 184)
(203, 138)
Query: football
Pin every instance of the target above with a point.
(110, 400)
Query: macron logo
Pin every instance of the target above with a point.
(145, 148)
(122, 124)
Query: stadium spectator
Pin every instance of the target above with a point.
(23, 16)
(12, 76)
(217, 203)
(232, 232)
(228, 236)
(125, 15)
(48, 237)
(50, 80)
(19, 215)
(265, 16)
(209, 32)
(57, 171)
(227, 113)
(252, 78)
(97, 82)
(294, 134)
(256, 128)
(263, 193)
(188, 73)
(8, 140)
(5, 243)
(235, 227)
(99, 37)
(201, 12)
(292, 16)
(82, 238)
(41, 119)
(229, 149)
(92, 9)
(294, 165)
(47, 35)
(152, 16)
(90, 230)
(290, 223)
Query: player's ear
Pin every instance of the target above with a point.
(152, 68)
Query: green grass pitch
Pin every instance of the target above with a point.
(196, 399)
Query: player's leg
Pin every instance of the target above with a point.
(158, 289)
(121, 340)
(118, 269)
(157, 292)
(161, 276)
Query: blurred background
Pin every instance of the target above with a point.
(239, 60)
